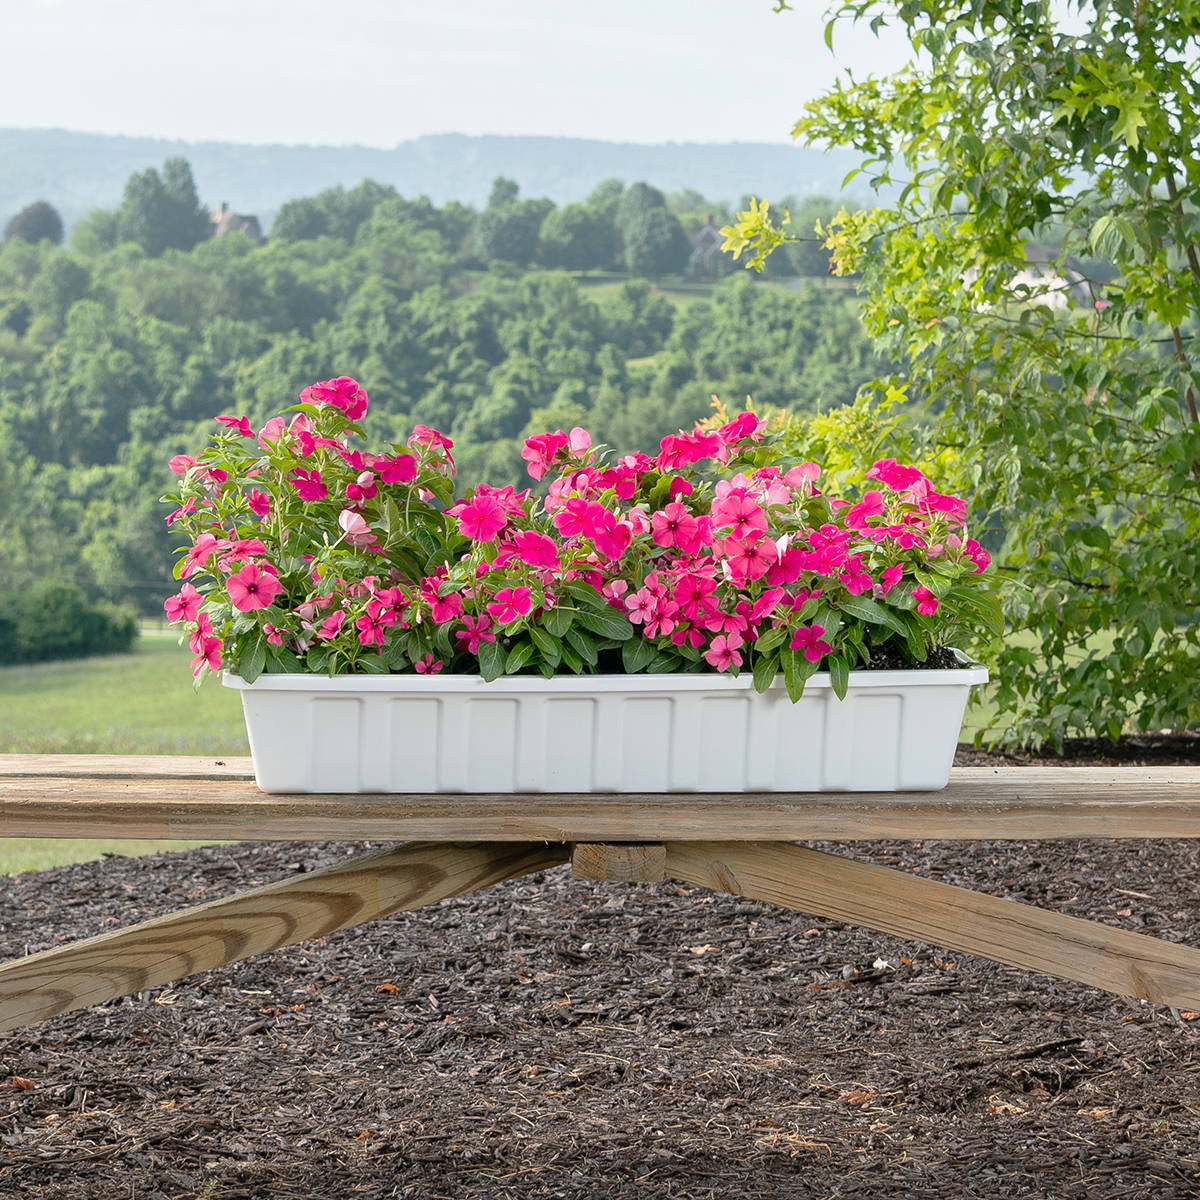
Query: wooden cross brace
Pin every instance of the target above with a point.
(409, 875)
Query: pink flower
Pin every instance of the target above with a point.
(189, 506)
(579, 440)
(181, 464)
(274, 634)
(481, 518)
(808, 639)
(422, 435)
(474, 631)
(400, 468)
(641, 605)
(890, 577)
(272, 431)
(766, 604)
(203, 629)
(695, 596)
(510, 604)
(583, 518)
(343, 393)
(613, 543)
(252, 588)
(750, 560)
(927, 602)
(237, 425)
(428, 665)
(363, 487)
(854, 578)
(371, 625)
(673, 525)
(858, 515)
(744, 425)
(354, 528)
(535, 549)
(332, 625)
(722, 653)
(740, 515)
(541, 450)
(208, 654)
(892, 475)
(259, 503)
(184, 605)
(308, 484)
(680, 450)
(199, 554)
(978, 555)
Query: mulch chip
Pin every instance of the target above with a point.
(555, 1038)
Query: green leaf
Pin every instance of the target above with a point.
(582, 645)
(491, 660)
(520, 655)
(547, 644)
(765, 670)
(572, 660)
(558, 620)
(637, 654)
(839, 674)
(866, 609)
(797, 671)
(251, 664)
(607, 623)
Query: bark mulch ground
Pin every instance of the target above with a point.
(554, 1038)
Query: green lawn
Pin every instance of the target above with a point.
(139, 703)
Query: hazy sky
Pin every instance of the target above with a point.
(377, 72)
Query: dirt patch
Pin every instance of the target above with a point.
(1137, 750)
(555, 1038)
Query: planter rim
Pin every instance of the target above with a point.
(967, 675)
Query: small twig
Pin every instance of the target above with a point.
(1015, 1055)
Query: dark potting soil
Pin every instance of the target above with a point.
(561, 1039)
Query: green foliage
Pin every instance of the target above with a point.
(112, 356)
(508, 229)
(37, 222)
(54, 619)
(1065, 380)
(162, 212)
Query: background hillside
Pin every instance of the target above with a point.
(79, 172)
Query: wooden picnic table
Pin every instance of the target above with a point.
(451, 844)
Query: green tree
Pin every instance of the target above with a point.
(652, 239)
(162, 212)
(37, 222)
(1071, 406)
(577, 237)
(508, 228)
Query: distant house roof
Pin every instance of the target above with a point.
(706, 248)
(225, 220)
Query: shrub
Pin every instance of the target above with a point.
(54, 620)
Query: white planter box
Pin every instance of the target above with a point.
(895, 731)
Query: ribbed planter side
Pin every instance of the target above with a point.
(895, 731)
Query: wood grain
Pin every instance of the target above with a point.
(1129, 964)
(110, 797)
(620, 862)
(168, 948)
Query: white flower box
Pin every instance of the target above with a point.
(895, 731)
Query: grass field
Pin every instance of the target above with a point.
(139, 703)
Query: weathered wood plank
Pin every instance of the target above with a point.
(620, 862)
(125, 766)
(41, 798)
(1129, 964)
(168, 948)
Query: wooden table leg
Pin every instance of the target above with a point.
(168, 948)
(1021, 935)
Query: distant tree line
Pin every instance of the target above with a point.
(116, 352)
